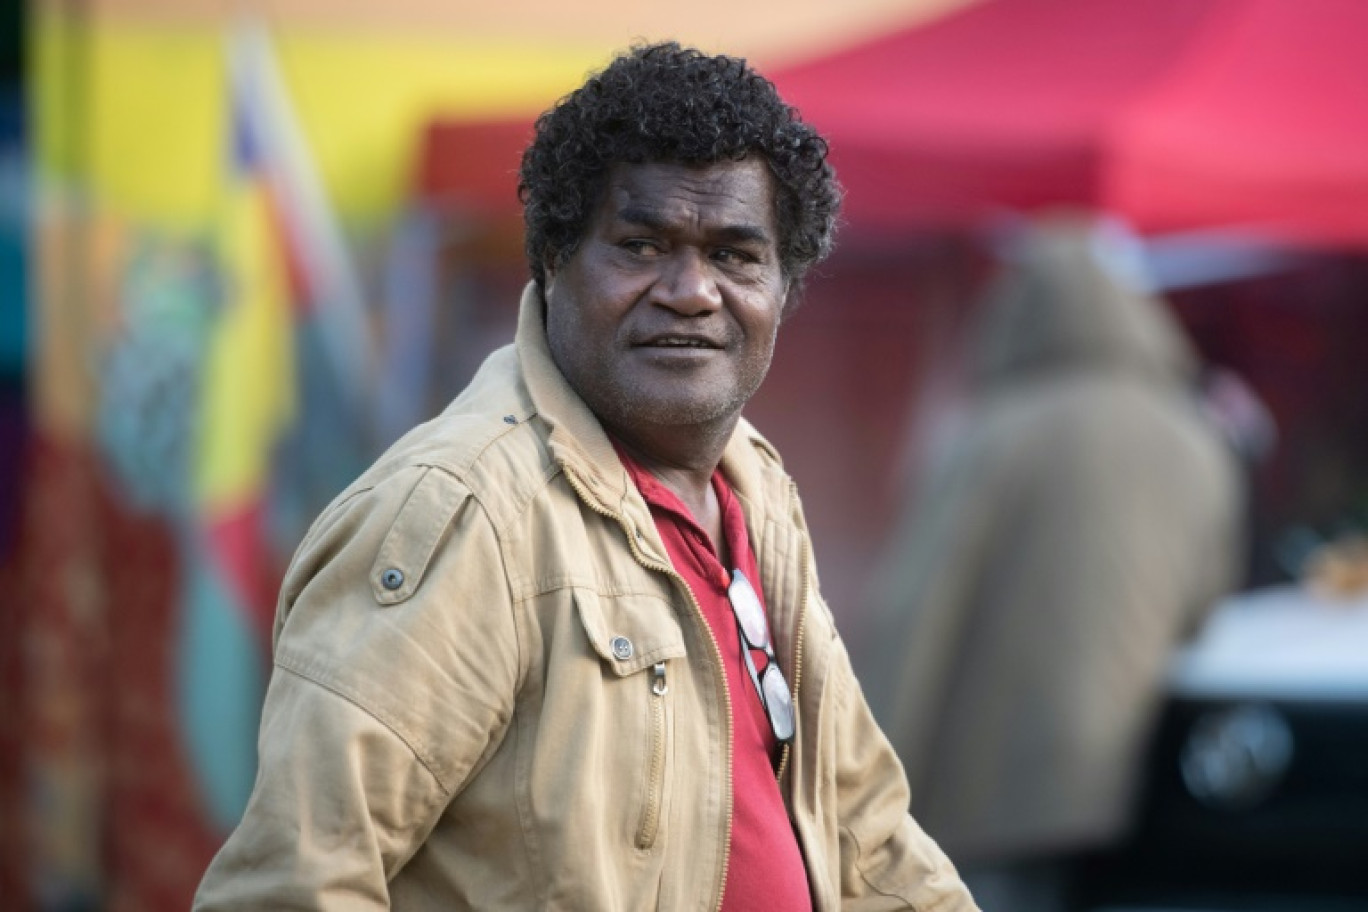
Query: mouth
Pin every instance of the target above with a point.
(667, 341)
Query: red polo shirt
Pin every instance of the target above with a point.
(765, 867)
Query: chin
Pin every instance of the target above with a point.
(675, 413)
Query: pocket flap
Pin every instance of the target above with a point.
(630, 632)
(413, 538)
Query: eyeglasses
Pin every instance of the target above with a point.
(769, 684)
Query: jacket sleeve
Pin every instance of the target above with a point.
(396, 665)
(887, 861)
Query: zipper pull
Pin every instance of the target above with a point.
(659, 688)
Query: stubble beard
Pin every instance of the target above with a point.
(625, 408)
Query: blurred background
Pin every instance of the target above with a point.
(243, 246)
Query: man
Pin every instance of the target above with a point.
(510, 670)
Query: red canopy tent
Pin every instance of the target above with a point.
(472, 166)
(1178, 114)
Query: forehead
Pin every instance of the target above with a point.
(724, 194)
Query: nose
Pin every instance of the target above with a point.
(687, 285)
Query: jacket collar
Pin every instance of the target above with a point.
(576, 439)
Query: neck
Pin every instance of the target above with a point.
(683, 459)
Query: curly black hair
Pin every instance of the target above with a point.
(666, 103)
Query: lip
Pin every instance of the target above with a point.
(679, 341)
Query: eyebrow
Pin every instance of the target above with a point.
(652, 220)
(642, 217)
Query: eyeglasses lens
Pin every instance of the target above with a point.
(778, 702)
(770, 685)
(749, 613)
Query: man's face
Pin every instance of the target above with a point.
(666, 313)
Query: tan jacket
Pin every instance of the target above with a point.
(491, 692)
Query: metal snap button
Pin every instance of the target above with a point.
(392, 579)
(622, 648)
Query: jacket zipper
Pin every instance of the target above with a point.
(650, 815)
(804, 566)
(720, 670)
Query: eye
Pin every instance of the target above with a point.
(640, 246)
(732, 256)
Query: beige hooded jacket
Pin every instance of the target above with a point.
(491, 692)
(1082, 523)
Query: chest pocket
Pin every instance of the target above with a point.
(630, 633)
(636, 637)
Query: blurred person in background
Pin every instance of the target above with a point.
(1082, 521)
(536, 656)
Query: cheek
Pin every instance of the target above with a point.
(760, 342)
(762, 321)
(581, 341)
(766, 357)
(566, 333)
